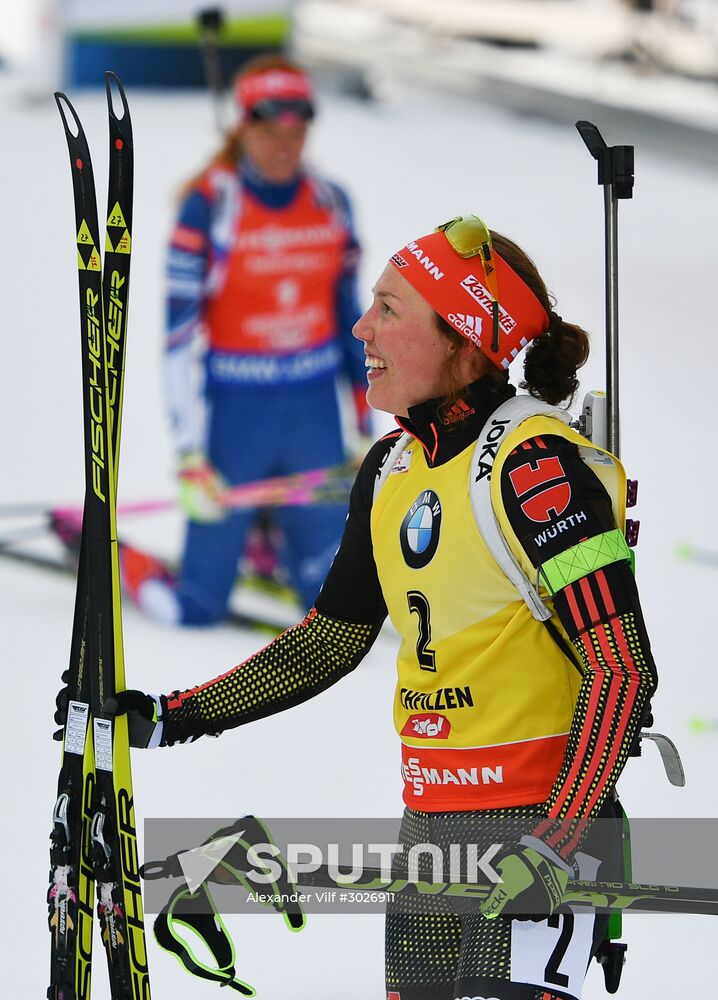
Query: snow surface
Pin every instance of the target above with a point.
(410, 163)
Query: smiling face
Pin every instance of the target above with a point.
(407, 356)
(275, 147)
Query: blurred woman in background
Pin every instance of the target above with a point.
(261, 304)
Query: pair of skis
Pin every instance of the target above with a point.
(93, 840)
(329, 484)
(271, 620)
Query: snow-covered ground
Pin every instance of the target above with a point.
(410, 164)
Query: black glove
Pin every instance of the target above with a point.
(60, 716)
(146, 715)
(150, 721)
(156, 720)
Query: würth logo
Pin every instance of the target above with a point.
(545, 480)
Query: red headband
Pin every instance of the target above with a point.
(456, 288)
(272, 85)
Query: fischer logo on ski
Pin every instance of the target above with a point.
(94, 841)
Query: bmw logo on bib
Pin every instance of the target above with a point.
(419, 532)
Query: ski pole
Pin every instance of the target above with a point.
(615, 175)
(327, 484)
(604, 897)
(245, 855)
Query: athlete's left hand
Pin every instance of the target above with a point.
(200, 488)
(534, 879)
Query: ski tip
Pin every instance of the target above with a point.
(69, 117)
(64, 105)
(113, 88)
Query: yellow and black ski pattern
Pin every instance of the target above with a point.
(94, 843)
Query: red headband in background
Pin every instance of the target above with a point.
(456, 288)
(273, 85)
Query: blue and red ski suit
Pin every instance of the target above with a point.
(262, 299)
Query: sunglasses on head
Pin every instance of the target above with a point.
(271, 108)
(469, 236)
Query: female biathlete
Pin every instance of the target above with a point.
(262, 279)
(490, 532)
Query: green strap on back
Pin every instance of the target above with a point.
(584, 558)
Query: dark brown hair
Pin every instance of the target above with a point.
(552, 359)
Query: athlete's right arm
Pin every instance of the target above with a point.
(300, 663)
(187, 265)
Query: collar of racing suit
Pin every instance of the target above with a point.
(270, 195)
(444, 437)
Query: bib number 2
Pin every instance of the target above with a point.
(552, 954)
(419, 606)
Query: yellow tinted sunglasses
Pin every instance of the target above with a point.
(469, 236)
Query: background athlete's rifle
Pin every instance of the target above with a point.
(600, 422)
(210, 21)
